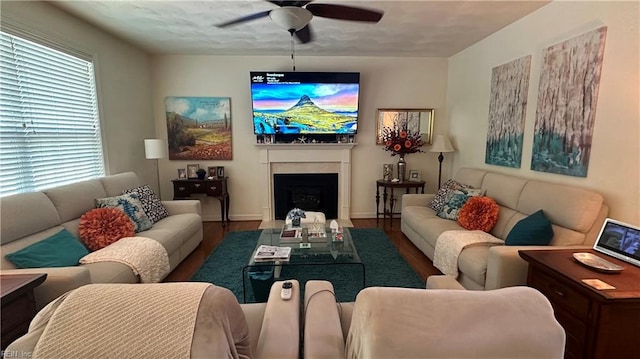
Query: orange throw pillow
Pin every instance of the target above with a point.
(478, 213)
(102, 226)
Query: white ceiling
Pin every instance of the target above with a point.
(408, 28)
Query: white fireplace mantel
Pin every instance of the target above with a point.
(306, 158)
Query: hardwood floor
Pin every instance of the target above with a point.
(214, 233)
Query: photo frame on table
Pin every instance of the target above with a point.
(212, 171)
(182, 173)
(220, 171)
(414, 176)
(191, 171)
(414, 120)
(387, 171)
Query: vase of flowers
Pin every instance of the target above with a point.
(295, 215)
(401, 142)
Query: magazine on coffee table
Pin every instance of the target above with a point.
(294, 235)
(266, 253)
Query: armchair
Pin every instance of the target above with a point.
(178, 320)
(406, 323)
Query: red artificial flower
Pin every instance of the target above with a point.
(408, 144)
(403, 134)
(397, 147)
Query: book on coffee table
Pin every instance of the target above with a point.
(266, 253)
(294, 235)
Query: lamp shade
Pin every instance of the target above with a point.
(442, 144)
(154, 148)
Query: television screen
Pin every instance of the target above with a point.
(305, 102)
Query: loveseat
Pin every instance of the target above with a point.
(576, 215)
(32, 217)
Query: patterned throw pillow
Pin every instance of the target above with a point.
(455, 200)
(479, 212)
(440, 199)
(150, 203)
(131, 206)
(102, 226)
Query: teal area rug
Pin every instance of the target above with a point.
(384, 266)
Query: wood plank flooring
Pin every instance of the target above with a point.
(214, 233)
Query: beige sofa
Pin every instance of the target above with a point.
(31, 217)
(386, 322)
(576, 214)
(182, 322)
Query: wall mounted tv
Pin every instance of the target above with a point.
(315, 103)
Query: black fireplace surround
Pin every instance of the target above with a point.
(317, 192)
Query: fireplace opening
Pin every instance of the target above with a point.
(317, 192)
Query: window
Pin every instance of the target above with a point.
(49, 125)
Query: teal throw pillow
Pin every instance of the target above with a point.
(534, 230)
(60, 250)
(455, 200)
(131, 206)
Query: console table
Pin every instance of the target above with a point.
(598, 323)
(18, 304)
(387, 194)
(217, 188)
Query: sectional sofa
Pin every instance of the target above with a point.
(31, 217)
(576, 214)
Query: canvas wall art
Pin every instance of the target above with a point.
(566, 107)
(199, 128)
(507, 112)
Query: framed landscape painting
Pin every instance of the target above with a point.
(199, 128)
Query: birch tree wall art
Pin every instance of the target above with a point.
(566, 107)
(507, 110)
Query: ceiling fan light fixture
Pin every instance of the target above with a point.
(291, 17)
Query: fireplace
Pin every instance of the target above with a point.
(317, 192)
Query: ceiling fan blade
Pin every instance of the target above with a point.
(343, 12)
(304, 35)
(290, 3)
(245, 18)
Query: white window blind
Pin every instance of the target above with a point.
(49, 124)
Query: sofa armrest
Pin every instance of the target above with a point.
(183, 206)
(323, 335)
(280, 332)
(59, 281)
(505, 267)
(443, 282)
(416, 199)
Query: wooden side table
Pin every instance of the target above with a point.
(387, 194)
(598, 323)
(18, 304)
(217, 188)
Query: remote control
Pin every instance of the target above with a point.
(285, 294)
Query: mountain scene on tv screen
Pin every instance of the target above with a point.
(336, 112)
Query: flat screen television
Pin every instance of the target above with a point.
(315, 103)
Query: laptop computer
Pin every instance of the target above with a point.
(620, 240)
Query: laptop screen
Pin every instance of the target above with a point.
(619, 240)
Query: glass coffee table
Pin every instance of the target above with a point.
(329, 257)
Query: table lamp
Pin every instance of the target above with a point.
(441, 144)
(153, 150)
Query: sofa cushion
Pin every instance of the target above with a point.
(115, 184)
(479, 212)
(131, 206)
(102, 226)
(18, 213)
(60, 250)
(172, 231)
(455, 200)
(440, 199)
(534, 230)
(74, 200)
(150, 202)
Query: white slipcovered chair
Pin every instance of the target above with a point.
(384, 322)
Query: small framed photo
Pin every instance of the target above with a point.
(414, 176)
(220, 171)
(387, 171)
(212, 171)
(182, 173)
(192, 171)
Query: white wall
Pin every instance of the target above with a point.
(122, 74)
(614, 168)
(386, 82)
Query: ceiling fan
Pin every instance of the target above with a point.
(294, 16)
